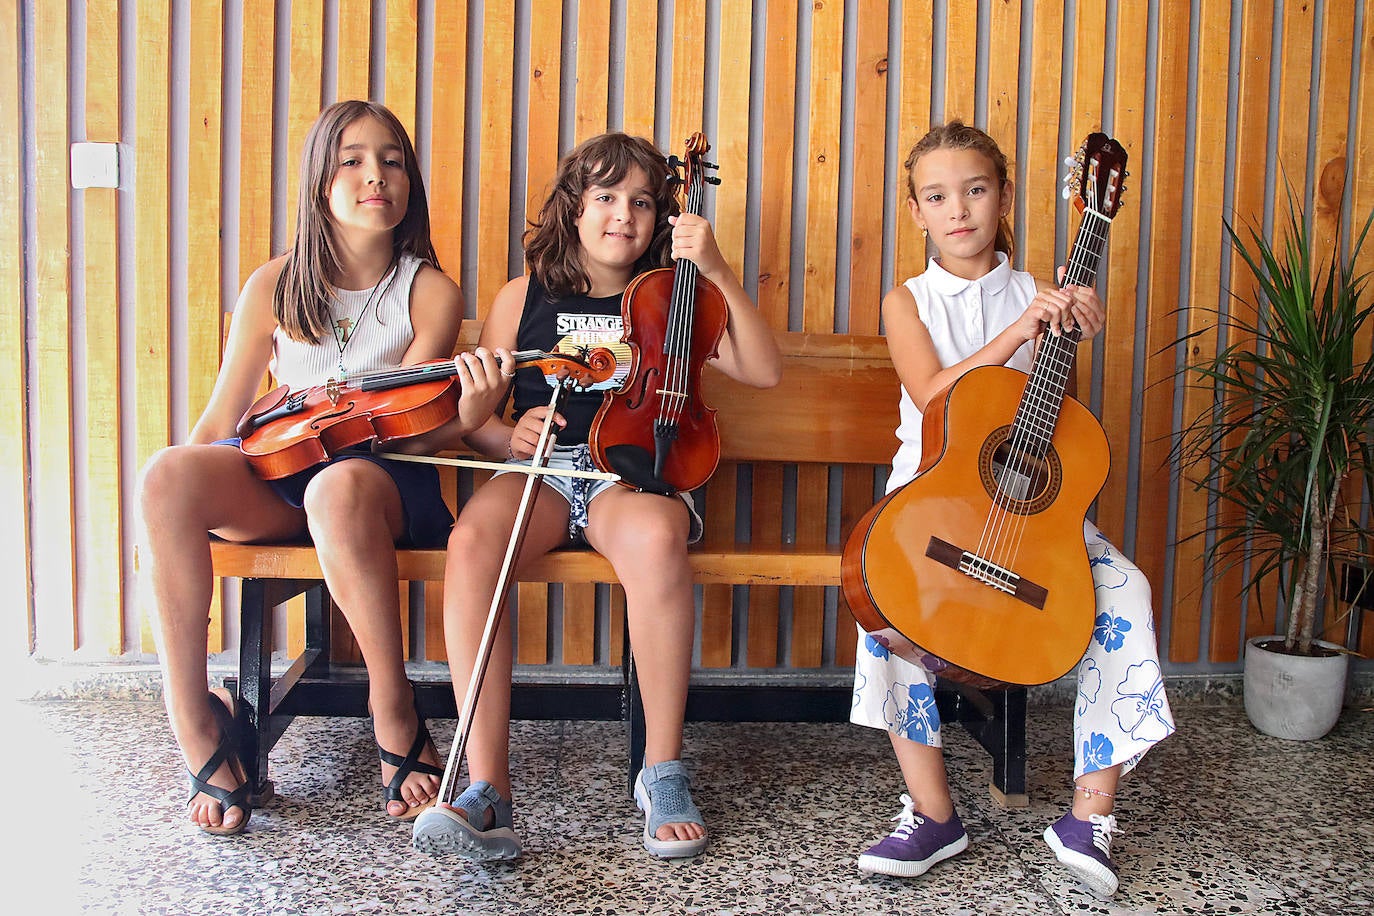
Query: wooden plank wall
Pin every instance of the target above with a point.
(810, 107)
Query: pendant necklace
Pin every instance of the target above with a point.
(345, 328)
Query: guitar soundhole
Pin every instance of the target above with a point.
(1017, 479)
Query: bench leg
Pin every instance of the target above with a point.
(1008, 785)
(632, 708)
(255, 687)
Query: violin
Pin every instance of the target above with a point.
(655, 431)
(285, 432)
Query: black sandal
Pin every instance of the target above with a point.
(411, 763)
(225, 752)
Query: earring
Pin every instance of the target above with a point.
(924, 233)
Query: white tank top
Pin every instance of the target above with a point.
(371, 331)
(961, 316)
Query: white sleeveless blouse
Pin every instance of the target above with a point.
(372, 331)
(961, 316)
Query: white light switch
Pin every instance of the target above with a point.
(95, 165)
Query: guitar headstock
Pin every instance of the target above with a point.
(1097, 179)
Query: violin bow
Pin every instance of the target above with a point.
(498, 601)
(531, 469)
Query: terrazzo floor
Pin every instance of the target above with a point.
(1218, 819)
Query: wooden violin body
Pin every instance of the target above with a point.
(655, 431)
(911, 562)
(286, 432)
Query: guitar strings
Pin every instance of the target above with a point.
(1033, 426)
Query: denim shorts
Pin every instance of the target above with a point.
(580, 491)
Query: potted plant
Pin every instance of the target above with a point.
(1285, 452)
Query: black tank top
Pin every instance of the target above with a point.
(564, 326)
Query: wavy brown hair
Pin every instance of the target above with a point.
(553, 252)
(306, 286)
(957, 135)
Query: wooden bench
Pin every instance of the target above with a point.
(800, 463)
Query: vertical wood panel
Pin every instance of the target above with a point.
(1004, 62)
(961, 60)
(1251, 137)
(1171, 106)
(102, 574)
(152, 384)
(717, 601)
(255, 136)
(1042, 152)
(593, 58)
(641, 61)
(303, 94)
(1090, 29)
(808, 603)
(914, 104)
(541, 155)
(16, 550)
(355, 46)
(689, 63)
(54, 502)
(1333, 110)
(823, 172)
(732, 132)
(869, 192)
(448, 106)
(494, 169)
(1118, 337)
(1295, 99)
(402, 52)
(775, 253)
(532, 623)
(1209, 145)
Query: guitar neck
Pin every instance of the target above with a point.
(1044, 398)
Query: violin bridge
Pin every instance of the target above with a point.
(333, 390)
(987, 572)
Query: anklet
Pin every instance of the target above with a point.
(1090, 792)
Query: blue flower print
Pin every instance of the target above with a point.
(909, 710)
(1141, 708)
(860, 684)
(1089, 683)
(876, 648)
(1097, 752)
(1110, 631)
(1106, 573)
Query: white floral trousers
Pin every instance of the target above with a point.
(1121, 710)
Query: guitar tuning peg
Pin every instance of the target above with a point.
(1067, 192)
(1071, 161)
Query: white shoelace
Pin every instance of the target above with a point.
(907, 819)
(1104, 825)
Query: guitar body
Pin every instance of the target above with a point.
(902, 563)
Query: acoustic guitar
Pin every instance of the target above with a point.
(979, 560)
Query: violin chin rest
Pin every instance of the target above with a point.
(635, 465)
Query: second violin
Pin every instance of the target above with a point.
(655, 431)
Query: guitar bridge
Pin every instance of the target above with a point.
(987, 572)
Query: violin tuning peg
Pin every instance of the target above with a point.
(710, 165)
(712, 180)
(675, 163)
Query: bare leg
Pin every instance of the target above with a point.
(1089, 803)
(185, 493)
(355, 517)
(923, 771)
(645, 538)
(476, 549)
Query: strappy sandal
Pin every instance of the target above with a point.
(225, 752)
(663, 793)
(410, 763)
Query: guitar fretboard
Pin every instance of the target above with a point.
(1044, 396)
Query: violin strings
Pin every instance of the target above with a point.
(677, 346)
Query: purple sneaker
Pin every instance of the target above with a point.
(916, 844)
(1085, 848)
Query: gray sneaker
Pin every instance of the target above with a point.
(1085, 848)
(451, 829)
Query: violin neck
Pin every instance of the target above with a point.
(430, 372)
(678, 341)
